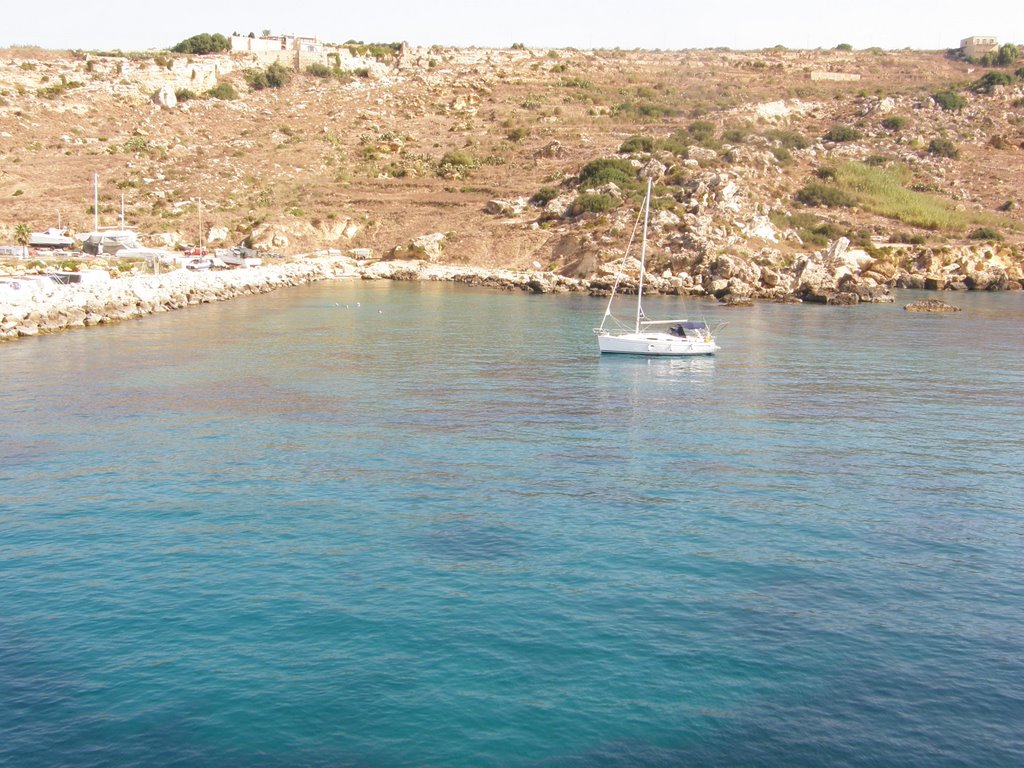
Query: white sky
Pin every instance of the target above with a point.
(740, 24)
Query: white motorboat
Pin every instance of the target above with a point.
(54, 237)
(679, 337)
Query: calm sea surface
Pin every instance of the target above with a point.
(435, 528)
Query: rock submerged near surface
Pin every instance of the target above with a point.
(930, 305)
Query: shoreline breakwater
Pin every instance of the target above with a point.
(41, 306)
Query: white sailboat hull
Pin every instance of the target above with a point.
(654, 344)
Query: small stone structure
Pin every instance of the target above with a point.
(839, 77)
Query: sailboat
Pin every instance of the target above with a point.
(106, 239)
(680, 337)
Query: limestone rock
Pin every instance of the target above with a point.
(930, 305)
(166, 98)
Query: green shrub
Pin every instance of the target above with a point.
(544, 195)
(184, 94)
(788, 139)
(824, 195)
(895, 123)
(950, 101)
(517, 134)
(577, 82)
(844, 47)
(735, 135)
(702, 131)
(456, 164)
(943, 148)
(319, 70)
(274, 76)
(203, 43)
(825, 173)
(990, 80)
(614, 169)
(637, 144)
(986, 233)
(841, 133)
(1008, 54)
(224, 91)
(678, 144)
(907, 237)
(595, 203)
(378, 51)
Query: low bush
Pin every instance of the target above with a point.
(319, 70)
(702, 132)
(517, 134)
(986, 233)
(815, 194)
(544, 195)
(735, 135)
(637, 144)
(988, 82)
(895, 123)
(840, 133)
(788, 139)
(943, 148)
(617, 170)
(456, 164)
(950, 101)
(224, 91)
(184, 94)
(595, 203)
(274, 76)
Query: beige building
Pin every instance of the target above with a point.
(977, 46)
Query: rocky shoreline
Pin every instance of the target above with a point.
(832, 277)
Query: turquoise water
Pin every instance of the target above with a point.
(437, 529)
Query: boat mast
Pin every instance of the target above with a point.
(643, 258)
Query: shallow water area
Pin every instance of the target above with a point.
(393, 524)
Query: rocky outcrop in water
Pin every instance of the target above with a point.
(930, 305)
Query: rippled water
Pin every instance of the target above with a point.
(438, 529)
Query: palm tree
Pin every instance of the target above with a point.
(22, 235)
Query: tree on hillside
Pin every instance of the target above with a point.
(22, 234)
(1008, 54)
(203, 43)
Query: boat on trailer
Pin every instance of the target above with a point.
(677, 337)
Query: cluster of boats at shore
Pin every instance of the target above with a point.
(125, 244)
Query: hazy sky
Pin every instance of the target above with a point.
(739, 24)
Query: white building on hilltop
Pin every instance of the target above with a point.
(975, 47)
(292, 43)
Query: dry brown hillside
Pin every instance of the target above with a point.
(355, 161)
